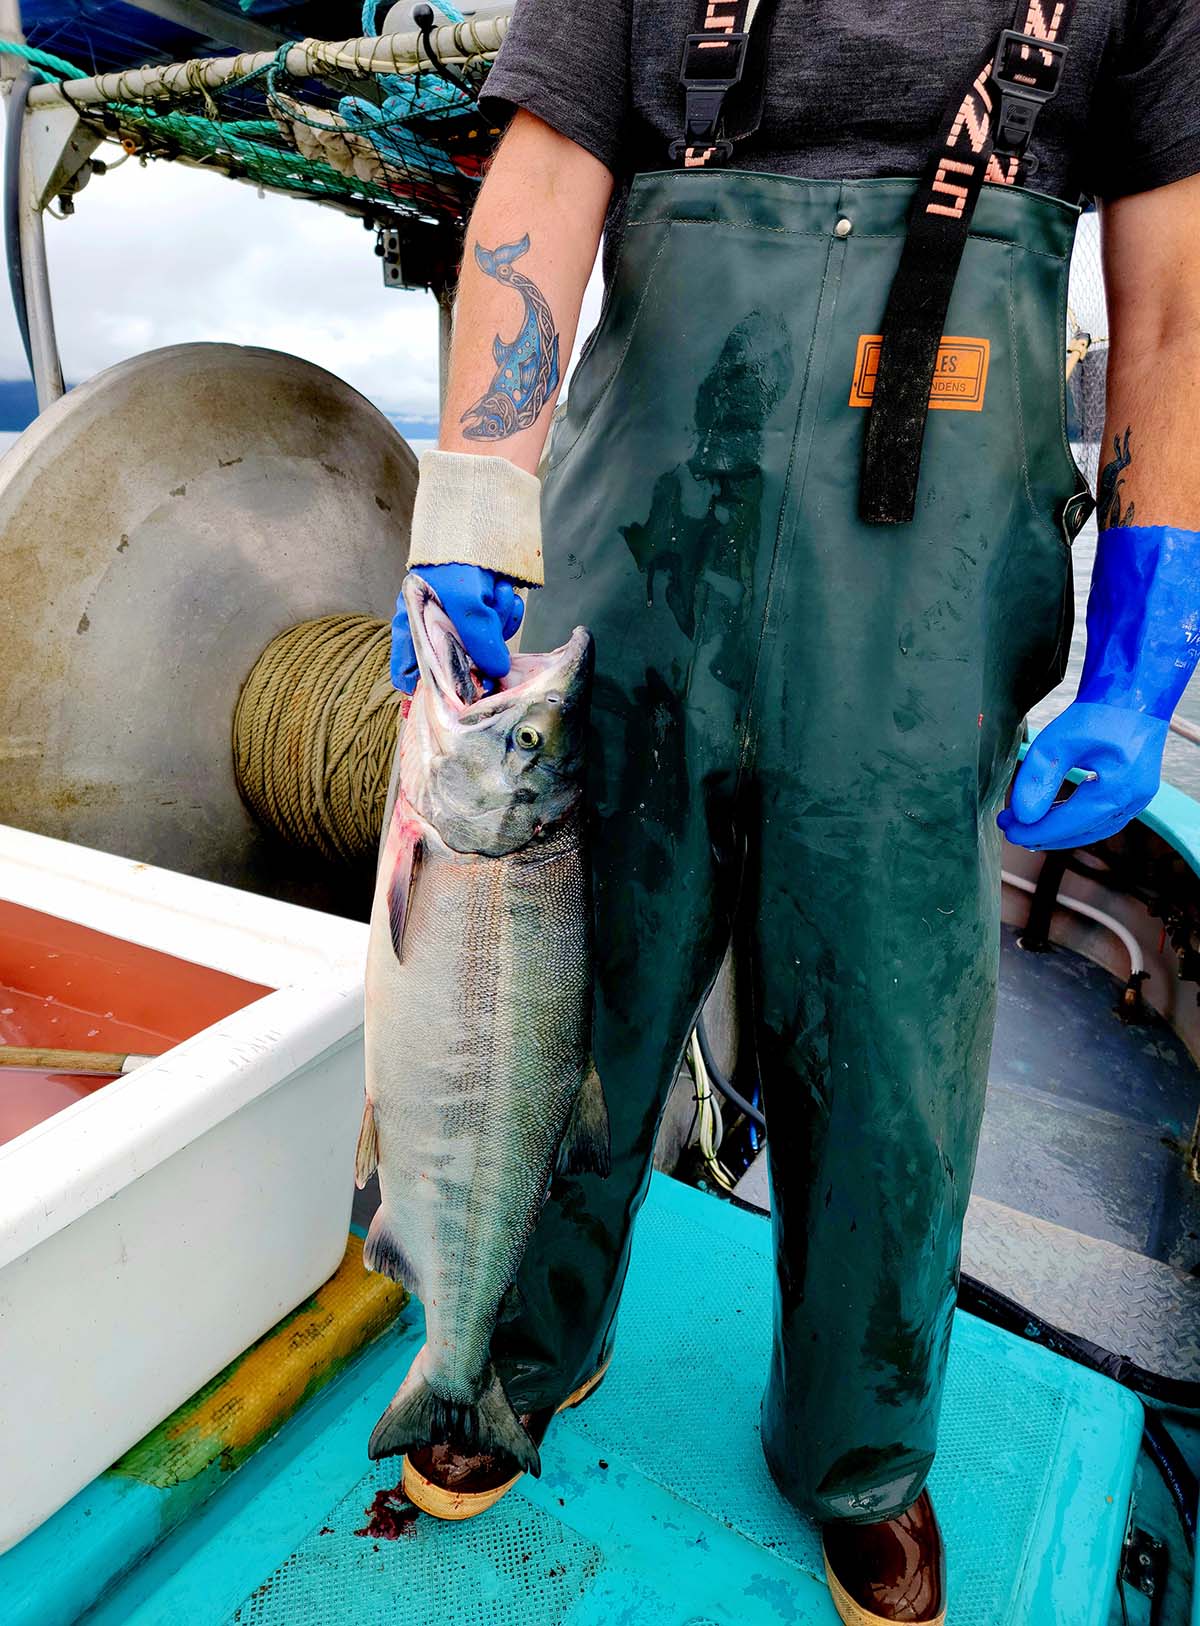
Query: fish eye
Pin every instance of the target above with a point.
(527, 737)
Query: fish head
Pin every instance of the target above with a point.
(491, 772)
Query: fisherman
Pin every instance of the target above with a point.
(812, 494)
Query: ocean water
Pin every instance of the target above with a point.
(1182, 759)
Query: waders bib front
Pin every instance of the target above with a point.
(803, 728)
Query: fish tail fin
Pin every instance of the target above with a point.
(508, 252)
(500, 1429)
(586, 1144)
(384, 1253)
(418, 1416)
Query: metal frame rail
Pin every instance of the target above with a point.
(454, 43)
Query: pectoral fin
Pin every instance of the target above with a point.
(402, 860)
(366, 1159)
(586, 1146)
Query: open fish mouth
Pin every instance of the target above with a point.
(561, 669)
(446, 665)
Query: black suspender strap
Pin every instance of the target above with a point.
(714, 61)
(984, 138)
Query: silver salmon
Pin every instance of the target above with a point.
(480, 1079)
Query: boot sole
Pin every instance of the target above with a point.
(443, 1503)
(853, 1614)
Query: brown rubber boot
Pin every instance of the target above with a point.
(450, 1485)
(894, 1571)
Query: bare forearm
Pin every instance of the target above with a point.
(1149, 467)
(529, 250)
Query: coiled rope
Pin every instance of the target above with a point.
(314, 733)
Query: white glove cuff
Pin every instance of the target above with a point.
(478, 510)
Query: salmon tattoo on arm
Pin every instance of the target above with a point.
(527, 367)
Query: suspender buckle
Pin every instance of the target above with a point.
(712, 65)
(1026, 71)
(701, 152)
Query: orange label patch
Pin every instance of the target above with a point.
(959, 381)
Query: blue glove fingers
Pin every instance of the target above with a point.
(1097, 808)
(404, 669)
(485, 610)
(1038, 778)
(510, 607)
(1067, 826)
(479, 627)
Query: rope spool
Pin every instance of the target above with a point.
(314, 733)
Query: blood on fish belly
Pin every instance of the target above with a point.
(482, 867)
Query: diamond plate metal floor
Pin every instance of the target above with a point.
(1126, 1303)
(655, 1507)
(1086, 1118)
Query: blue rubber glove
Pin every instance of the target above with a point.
(485, 609)
(1143, 642)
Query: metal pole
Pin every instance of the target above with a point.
(14, 124)
(456, 44)
(39, 305)
(445, 299)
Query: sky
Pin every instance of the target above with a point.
(163, 254)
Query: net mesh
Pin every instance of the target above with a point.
(1087, 348)
(405, 145)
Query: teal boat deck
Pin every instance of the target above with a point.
(654, 1506)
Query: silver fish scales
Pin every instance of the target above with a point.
(480, 1079)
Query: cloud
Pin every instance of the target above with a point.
(164, 254)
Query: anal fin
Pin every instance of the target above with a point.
(384, 1253)
(586, 1144)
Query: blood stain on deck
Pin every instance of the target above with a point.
(390, 1516)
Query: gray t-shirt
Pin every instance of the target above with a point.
(859, 88)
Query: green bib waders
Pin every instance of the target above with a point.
(803, 727)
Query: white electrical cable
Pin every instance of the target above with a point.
(1078, 907)
(710, 1128)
